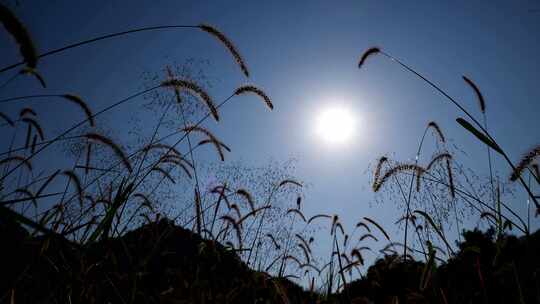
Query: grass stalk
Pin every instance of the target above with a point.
(460, 107)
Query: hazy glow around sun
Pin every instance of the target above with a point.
(335, 125)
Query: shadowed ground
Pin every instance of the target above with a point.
(163, 263)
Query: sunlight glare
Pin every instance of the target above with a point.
(335, 125)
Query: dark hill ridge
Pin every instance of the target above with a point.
(480, 272)
(163, 263)
(157, 263)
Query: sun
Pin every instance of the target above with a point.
(335, 125)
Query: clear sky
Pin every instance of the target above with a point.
(304, 54)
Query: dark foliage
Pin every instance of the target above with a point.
(157, 263)
(484, 270)
(163, 263)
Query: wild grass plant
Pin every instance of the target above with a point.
(111, 217)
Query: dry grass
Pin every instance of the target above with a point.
(437, 129)
(298, 212)
(251, 214)
(244, 193)
(306, 243)
(525, 162)
(395, 170)
(377, 173)
(111, 192)
(305, 251)
(358, 255)
(34, 125)
(317, 216)
(253, 89)
(236, 227)
(19, 32)
(79, 102)
(114, 147)
(27, 111)
(437, 158)
(164, 173)
(368, 53)
(289, 181)
(228, 44)
(379, 227)
(196, 90)
(367, 236)
(209, 141)
(447, 157)
(363, 225)
(479, 96)
(212, 139)
(33, 72)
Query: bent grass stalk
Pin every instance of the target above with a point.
(129, 98)
(373, 51)
(99, 38)
(466, 196)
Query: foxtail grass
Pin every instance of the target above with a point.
(318, 216)
(437, 158)
(33, 72)
(297, 212)
(483, 135)
(253, 89)
(163, 172)
(377, 173)
(363, 225)
(437, 129)
(228, 44)
(215, 142)
(252, 213)
(86, 109)
(196, 90)
(355, 252)
(19, 32)
(395, 170)
(114, 147)
(368, 53)
(479, 96)
(34, 125)
(244, 193)
(289, 181)
(368, 236)
(27, 111)
(306, 243)
(236, 227)
(305, 252)
(378, 226)
(525, 162)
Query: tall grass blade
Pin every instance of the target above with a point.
(434, 226)
(465, 124)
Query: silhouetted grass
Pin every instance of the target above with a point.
(106, 237)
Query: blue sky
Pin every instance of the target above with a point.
(304, 55)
